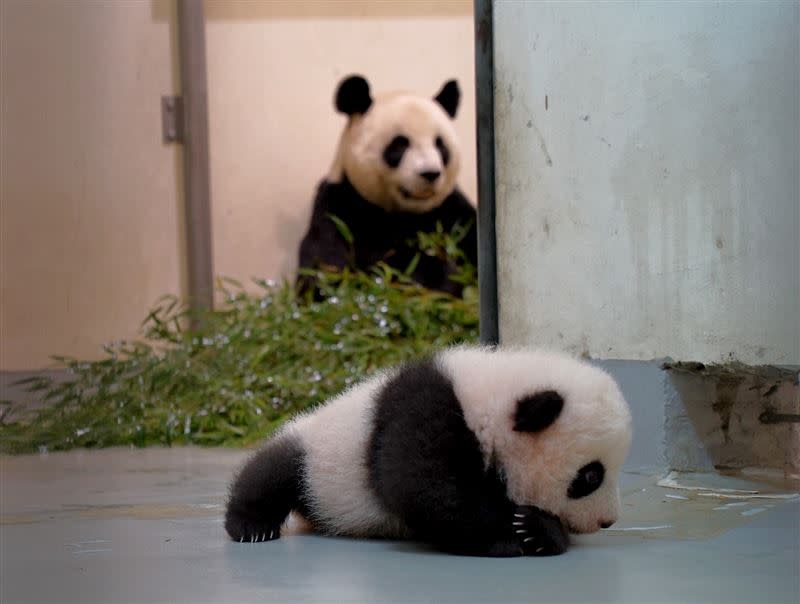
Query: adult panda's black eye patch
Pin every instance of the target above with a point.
(393, 153)
(587, 481)
(443, 150)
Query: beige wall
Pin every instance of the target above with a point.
(89, 210)
(90, 225)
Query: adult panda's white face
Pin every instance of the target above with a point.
(398, 150)
(559, 429)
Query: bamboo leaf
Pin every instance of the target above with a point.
(343, 229)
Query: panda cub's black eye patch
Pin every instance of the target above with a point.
(588, 480)
(393, 153)
(443, 150)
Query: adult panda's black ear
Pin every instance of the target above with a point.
(448, 97)
(536, 412)
(353, 96)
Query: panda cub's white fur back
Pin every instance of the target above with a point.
(476, 450)
(335, 437)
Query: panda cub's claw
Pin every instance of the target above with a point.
(257, 537)
(539, 533)
(243, 531)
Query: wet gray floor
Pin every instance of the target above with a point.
(146, 526)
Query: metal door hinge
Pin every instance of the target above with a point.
(172, 119)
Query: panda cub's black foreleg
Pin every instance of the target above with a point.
(427, 468)
(539, 533)
(268, 487)
(478, 519)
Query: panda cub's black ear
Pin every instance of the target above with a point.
(448, 97)
(536, 412)
(353, 96)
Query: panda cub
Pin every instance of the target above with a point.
(394, 175)
(476, 451)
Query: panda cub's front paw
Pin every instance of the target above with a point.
(249, 530)
(538, 532)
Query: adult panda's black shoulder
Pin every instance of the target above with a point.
(394, 175)
(474, 451)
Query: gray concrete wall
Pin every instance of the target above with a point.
(642, 384)
(698, 418)
(648, 201)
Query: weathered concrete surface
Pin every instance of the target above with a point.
(646, 175)
(732, 416)
(145, 526)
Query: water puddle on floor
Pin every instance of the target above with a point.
(699, 506)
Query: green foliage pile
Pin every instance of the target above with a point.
(249, 365)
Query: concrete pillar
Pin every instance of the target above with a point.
(648, 197)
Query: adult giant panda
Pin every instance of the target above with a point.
(394, 175)
(474, 450)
